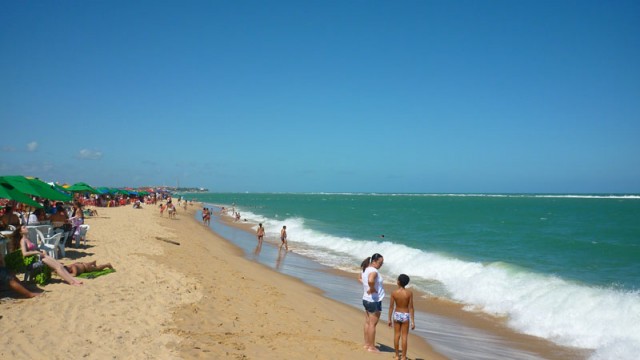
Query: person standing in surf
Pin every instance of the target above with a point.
(260, 233)
(283, 238)
(372, 296)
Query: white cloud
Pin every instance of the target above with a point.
(32, 146)
(86, 154)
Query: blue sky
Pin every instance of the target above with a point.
(336, 96)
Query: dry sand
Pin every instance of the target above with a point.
(198, 299)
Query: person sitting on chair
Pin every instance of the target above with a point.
(9, 279)
(28, 248)
(60, 216)
(36, 217)
(9, 218)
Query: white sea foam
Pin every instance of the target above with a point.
(567, 313)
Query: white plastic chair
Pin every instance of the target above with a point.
(49, 243)
(82, 234)
(32, 234)
(63, 240)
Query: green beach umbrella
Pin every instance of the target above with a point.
(7, 191)
(35, 187)
(82, 187)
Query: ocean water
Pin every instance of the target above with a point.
(562, 267)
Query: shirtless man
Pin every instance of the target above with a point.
(60, 216)
(402, 316)
(9, 218)
(78, 268)
(283, 238)
(260, 233)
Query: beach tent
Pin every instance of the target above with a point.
(82, 188)
(7, 191)
(35, 187)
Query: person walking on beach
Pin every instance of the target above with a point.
(372, 296)
(283, 238)
(401, 315)
(260, 233)
(206, 216)
(162, 207)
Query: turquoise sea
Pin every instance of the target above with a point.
(562, 267)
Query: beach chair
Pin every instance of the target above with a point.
(49, 243)
(63, 240)
(32, 234)
(82, 234)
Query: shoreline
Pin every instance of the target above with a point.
(316, 328)
(493, 334)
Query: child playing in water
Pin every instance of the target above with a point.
(401, 315)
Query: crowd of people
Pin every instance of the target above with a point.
(15, 220)
(61, 216)
(172, 209)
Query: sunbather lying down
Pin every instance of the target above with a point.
(78, 268)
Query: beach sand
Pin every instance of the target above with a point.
(182, 292)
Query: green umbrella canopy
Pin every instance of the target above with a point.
(7, 191)
(82, 187)
(35, 187)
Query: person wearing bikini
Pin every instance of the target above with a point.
(260, 233)
(78, 268)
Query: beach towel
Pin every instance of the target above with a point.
(95, 274)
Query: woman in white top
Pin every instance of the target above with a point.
(35, 217)
(372, 296)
